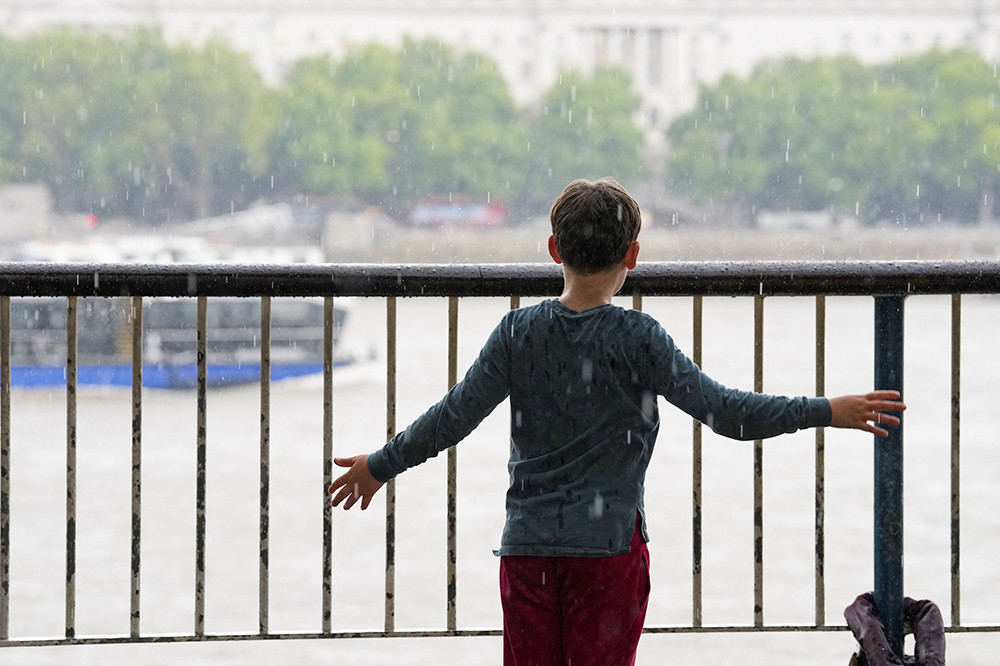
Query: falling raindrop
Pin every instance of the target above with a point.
(597, 509)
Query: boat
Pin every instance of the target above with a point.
(38, 341)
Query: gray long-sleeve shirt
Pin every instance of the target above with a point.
(583, 390)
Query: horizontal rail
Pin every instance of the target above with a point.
(436, 633)
(747, 278)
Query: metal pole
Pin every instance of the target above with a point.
(71, 421)
(4, 467)
(697, 606)
(819, 511)
(956, 459)
(135, 597)
(390, 487)
(200, 478)
(327, 463)
(264, 515)
(889, 475)
(758, 469)
(452, 563)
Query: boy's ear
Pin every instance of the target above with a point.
(553, 252)
(632, 255)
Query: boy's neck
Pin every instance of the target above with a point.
(582, 292)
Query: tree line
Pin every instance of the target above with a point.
(135, 127)
(915, 141)
(132, 126)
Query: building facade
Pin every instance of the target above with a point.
(670, 47)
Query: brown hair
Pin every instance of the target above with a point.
(594, 223)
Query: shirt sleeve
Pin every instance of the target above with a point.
(485, 385)
(733, 413)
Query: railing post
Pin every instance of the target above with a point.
(264, 513)
(71, 412)
(889, 475)
(390, 487)
(136, 532)
(452, 563)
(201, 437)
(4, 467)
(327, 462)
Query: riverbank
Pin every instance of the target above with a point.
(528, 244)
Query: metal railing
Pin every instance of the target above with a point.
(886, 282)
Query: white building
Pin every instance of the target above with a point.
(670, 47)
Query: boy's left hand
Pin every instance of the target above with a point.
(867, 412)
(357, 483)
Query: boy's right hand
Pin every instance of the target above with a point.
(357, 483)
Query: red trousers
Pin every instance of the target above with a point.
(574, 611)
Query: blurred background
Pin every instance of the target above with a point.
(290, 131)
(438, 130)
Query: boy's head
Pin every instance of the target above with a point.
(593, 224)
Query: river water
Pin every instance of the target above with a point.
(297, 496)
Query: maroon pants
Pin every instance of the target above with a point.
(574, 611)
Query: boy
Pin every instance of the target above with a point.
(583, 378)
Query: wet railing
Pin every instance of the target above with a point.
(888, 283)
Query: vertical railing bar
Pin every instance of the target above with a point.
(452, 471)
(390, 487)
(71, 404)
(637, 301)
(327, 462)
(758, 471)
(820, 460)
(202, 445)
(956, 458)
(4, 467)
(888, 476)
(264, 545)
(134, 610)
(696, 469)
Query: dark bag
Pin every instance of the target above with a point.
(921, 618)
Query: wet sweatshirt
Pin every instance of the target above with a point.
(583, 390)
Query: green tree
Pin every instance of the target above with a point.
(395, 126)
(915, 140)
(956, 120)
(462, 132)
(782, 138)
(132, 127)
(332, 126)
(199, 125)
(12, 86)
(65, 112)
(584, 127)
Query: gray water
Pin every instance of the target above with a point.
(297, 496)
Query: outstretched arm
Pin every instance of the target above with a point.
(866, 412)
(357, 483)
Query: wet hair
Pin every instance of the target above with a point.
(594, 223)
